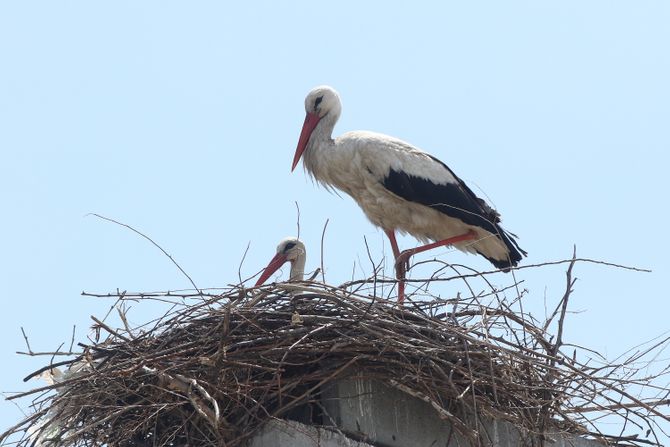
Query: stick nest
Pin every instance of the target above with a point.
(213, 370)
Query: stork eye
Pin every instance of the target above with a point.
(318, 101)
(289, 246)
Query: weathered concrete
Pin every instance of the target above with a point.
(385, 416)
(369, 411)
(295, 434)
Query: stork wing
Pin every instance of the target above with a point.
(445, 193)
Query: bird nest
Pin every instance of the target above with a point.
(216, 367)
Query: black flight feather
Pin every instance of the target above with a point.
(455, 200)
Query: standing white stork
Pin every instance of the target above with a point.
(290, 249)
(400, 188)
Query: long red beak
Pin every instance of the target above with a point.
(272, 267)
(311, 120)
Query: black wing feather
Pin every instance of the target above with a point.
(455, 200)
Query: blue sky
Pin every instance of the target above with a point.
(181, 120)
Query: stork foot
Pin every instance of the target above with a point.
(402, 263)
(402, 258)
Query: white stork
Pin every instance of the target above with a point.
(290, 249)
(400, 188)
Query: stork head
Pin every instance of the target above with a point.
(321, 101)
(290, 249)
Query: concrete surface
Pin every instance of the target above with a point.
(366, 411)
(296, 434)
(385, 416)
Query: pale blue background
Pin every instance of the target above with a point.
(181, 118)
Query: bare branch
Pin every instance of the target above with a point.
(150, 240)
(221, 362)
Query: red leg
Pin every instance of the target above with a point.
(401, 290)
(399, 268)
(403, 258)
(394, 243)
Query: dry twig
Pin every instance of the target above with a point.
(212, 372)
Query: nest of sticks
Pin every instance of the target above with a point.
(217, 366)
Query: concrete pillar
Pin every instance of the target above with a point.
(281, 433)
(367, 412)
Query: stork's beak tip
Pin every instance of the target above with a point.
(311, 120)
(272, 267)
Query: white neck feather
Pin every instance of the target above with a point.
(298, 268)
(320, 144)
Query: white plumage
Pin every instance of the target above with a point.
(399, 187)
(292, 250)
